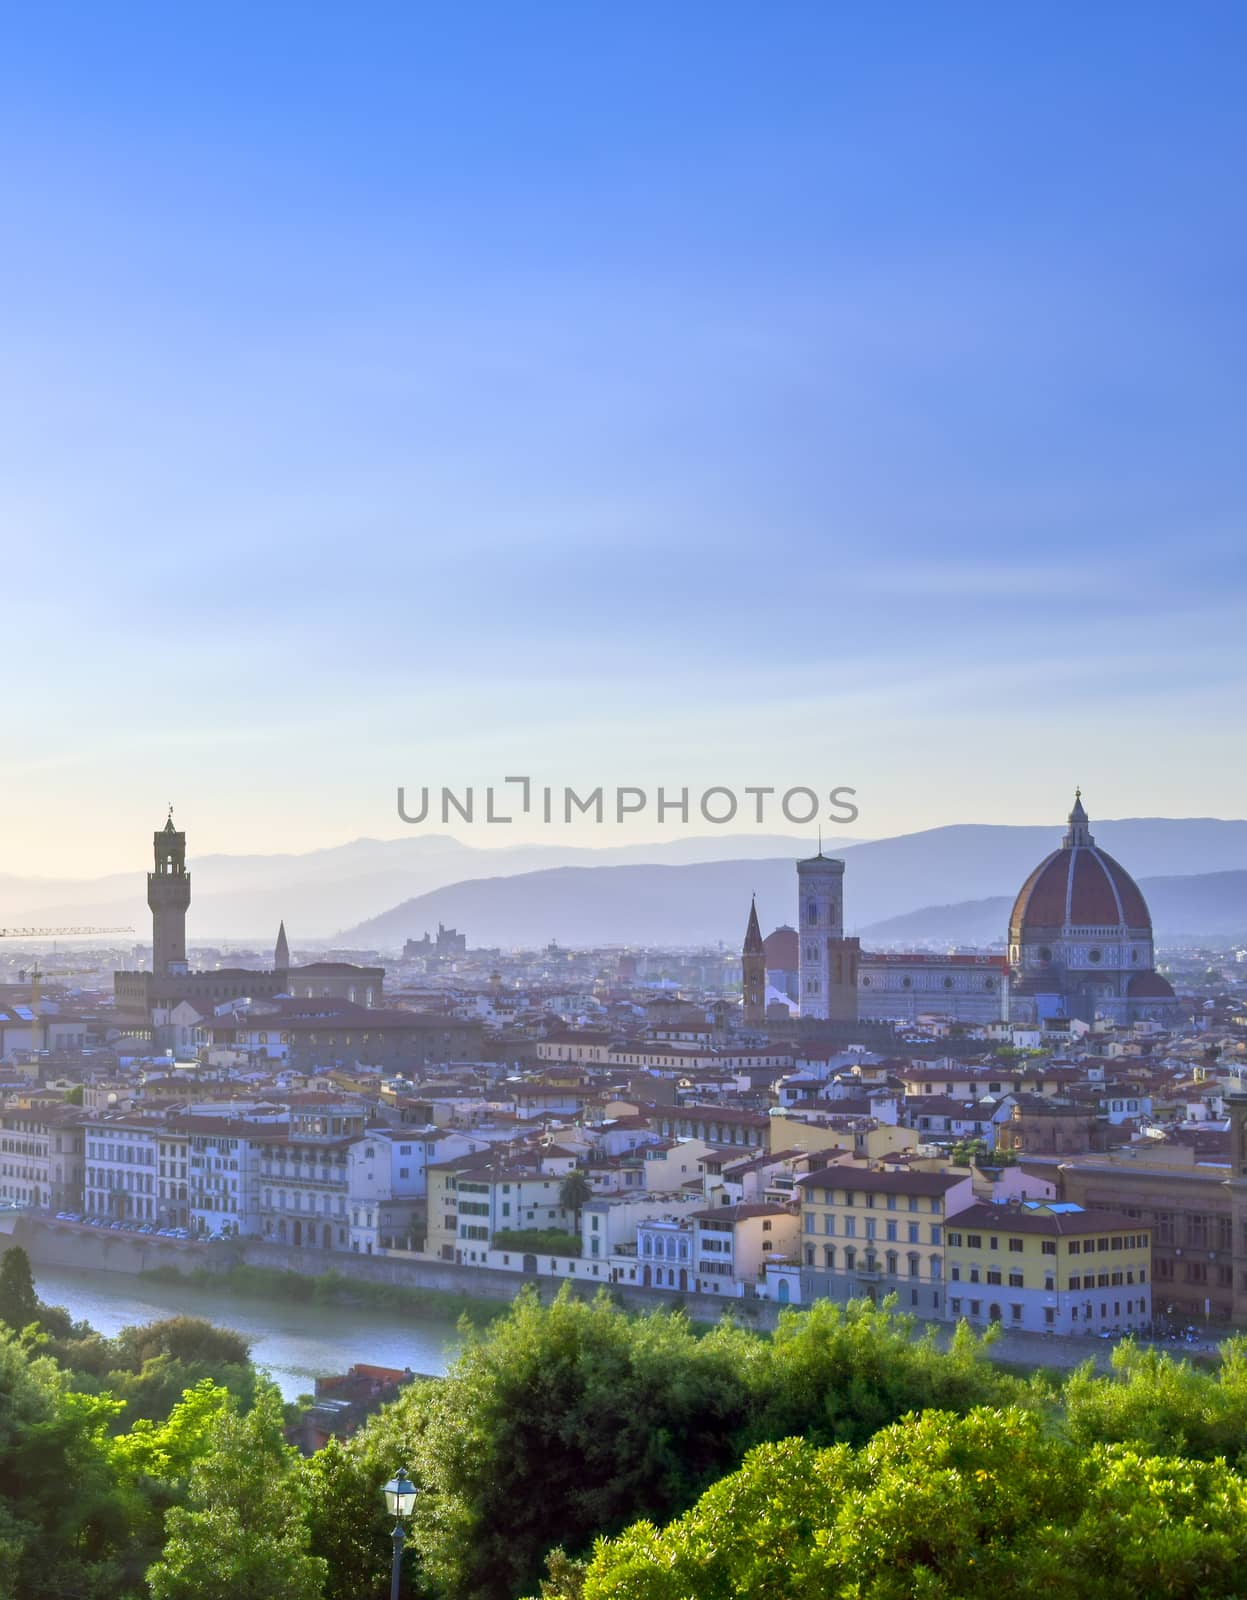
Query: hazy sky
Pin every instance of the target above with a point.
(624, 394)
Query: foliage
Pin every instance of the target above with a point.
(943, 1508)
(1162, 1405)
(19, 1306)
(243, 1533)
(572, 1420)
(575, 1192)
(540, 1241)
(61, 1522)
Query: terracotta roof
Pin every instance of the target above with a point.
(1079, 886)
(929, 1183)
(1011, 1219)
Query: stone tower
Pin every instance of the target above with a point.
(829, 961)
(753, 972)
(168, 896)
(281, 951)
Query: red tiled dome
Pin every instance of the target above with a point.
(1078, 886)
(1150, 986)
(782, 950)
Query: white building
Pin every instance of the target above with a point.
(120, 1162)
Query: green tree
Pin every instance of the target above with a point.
(61, 1523)
(152, 1464)
(1162, 1405)
(943, 1508)
(19, 1305)
(243, 1533)
(575, 1192)
(564, 1422)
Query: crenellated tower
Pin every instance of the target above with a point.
(168, 896)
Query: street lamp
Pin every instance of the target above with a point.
(400, 1499)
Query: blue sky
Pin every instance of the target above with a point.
(709, 393)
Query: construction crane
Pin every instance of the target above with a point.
(54, 933)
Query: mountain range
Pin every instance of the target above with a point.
(915, 887)
(942, 885)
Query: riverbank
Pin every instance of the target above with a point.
(436, 1290)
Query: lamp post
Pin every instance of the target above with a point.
(400, 1499)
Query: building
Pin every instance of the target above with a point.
(869, 1233)
(732, 1244)
(41, 1157)
(1049, 1268)
(753, 973)
(902, 987)
(1080, 938)
(168, 897)
(1193, 1205)
(120, 1167)
(387, 1184)
(137, 995)
(782, 948)
(474, 1197)
(448, 944)
(828, 961)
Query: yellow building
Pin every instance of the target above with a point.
(1049, 1268)
(871, 1234)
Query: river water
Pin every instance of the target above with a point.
(295, 1343)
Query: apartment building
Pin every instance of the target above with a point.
(41, 1157)
(1049, 1268)
(732, 1244)
(474, 1197)
(867, 1233)
(120, 1167)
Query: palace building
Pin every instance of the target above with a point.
(137, 994)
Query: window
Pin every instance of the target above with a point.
(1015, 1245)
(1049, 1247)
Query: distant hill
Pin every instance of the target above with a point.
(894, 889)
(1211, 904)
(384, 890)
(244, 897)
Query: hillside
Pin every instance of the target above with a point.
(708, 902)
(1212, 904)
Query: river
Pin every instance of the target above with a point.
(295, 1343)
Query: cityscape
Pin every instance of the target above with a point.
(623, 853)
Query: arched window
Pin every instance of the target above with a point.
(647, 1245)
(811, 912)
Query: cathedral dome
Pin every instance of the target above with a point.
(1079, 886)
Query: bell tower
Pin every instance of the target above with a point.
(753, 972)
(168, 896)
